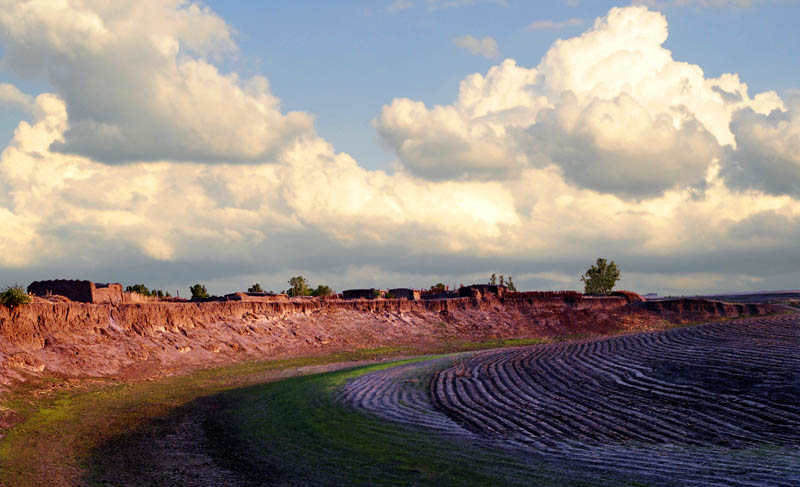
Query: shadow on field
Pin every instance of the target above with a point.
(293, 432)
(195, 445)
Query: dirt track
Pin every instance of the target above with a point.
(715, 404)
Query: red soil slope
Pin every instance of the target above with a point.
(145, 340)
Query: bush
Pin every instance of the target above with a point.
(138, 288)
(439, 287)
(255, 288)
(322, 290)
(142, 289)
(14, 296)
(199, 291)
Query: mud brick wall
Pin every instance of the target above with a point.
(75, 290)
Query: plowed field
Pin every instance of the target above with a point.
(715, 404)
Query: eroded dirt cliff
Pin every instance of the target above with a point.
(152, 339)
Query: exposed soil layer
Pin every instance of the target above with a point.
(155, 339)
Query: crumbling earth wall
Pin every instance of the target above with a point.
(150, 339)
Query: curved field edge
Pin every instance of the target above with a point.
(53, 424)
(296, 432)
(711, 405)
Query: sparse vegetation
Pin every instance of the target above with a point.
(510, 284)
(255, 288)
(493, 280)
(438, 288)
(298, 286)
(199, 291)
(142, 289)
(322, 290)
(14, 296)
(601, 277)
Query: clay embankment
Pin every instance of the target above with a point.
(151, 339)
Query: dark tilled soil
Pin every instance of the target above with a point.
(716, 404)
(710, 405)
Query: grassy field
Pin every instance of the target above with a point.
(59, 423)
(73, 432)
(293, 432)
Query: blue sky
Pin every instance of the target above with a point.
(342, 61)
(365, 144)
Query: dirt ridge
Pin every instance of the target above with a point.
(156, 339)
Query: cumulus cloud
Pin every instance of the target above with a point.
(12, 97)
(486, 47)
(168, 211)
(138, 85)
(554, 24)
(767, 154)
(470, 138)
(610, 107)
(530, 171)
(618, 147)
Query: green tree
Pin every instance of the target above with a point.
(199, 291)
(493, 279)
(438, 287)
(14, 296)
(322, 290)
(502, 280)
(138, 288)
(510, 284)
(255, 288)
(600, 278)
(299, 287)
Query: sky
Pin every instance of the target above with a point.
(401, 143)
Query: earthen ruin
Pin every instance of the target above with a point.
(86, 291)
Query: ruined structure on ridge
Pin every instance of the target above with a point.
(85, 291)
(405, 293)
(481, 290)
(359, 293)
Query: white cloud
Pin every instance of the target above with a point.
(184, 211)
(554, 24)
(610, 107)
(11, 96)
(530, 171)
(398, 5)
(133, 88)
(486, 47)
(470, 138)
(767, 155)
